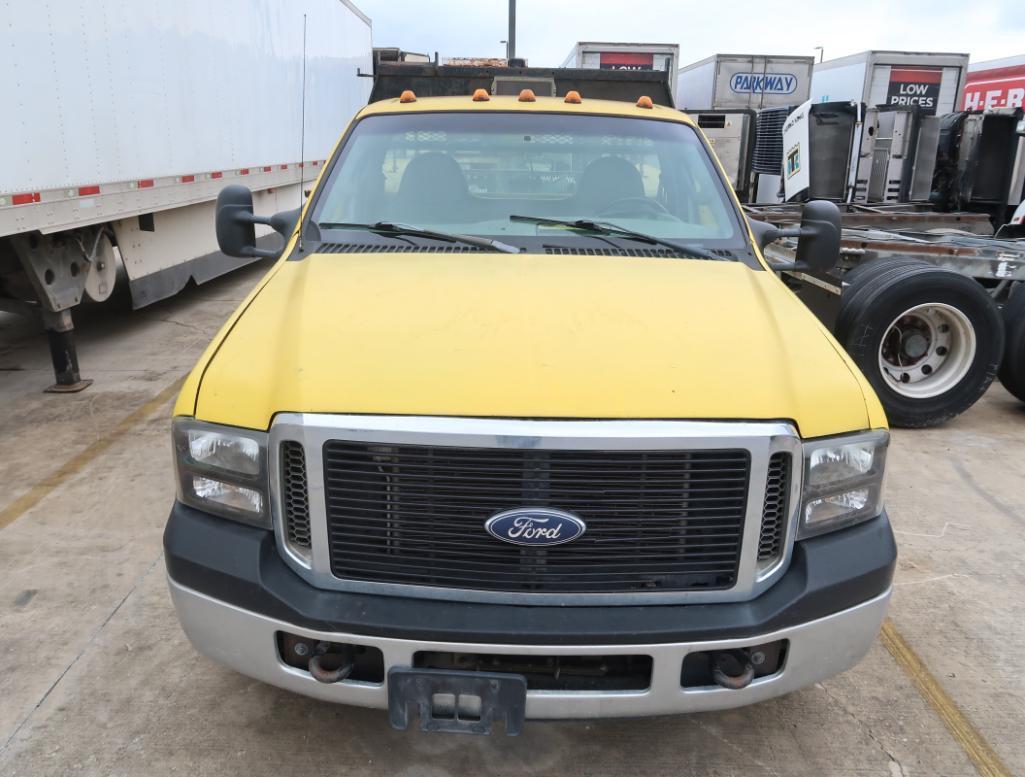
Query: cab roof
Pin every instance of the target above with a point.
(514, 104)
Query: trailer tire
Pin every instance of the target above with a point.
(875, 266)
(1012, 369)
(929, 341)
(859, 279)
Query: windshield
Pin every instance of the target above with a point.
(468, 173)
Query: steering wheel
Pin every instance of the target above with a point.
(622, 206)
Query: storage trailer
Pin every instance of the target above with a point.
(929, 81)
(117, 141)
(996, 83)
(725, 81)
(664, 57)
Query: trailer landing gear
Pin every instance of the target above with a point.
(60, 333)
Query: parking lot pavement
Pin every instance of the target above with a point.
(97, 678)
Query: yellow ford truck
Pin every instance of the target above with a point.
(521, 425)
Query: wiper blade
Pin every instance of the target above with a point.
(614, 230)
(395, 228)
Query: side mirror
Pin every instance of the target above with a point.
(236, 223)
(818, 246)
(818, 238)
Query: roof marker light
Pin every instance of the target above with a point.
(527, 96)
(645, 102)
(481, 95)
(407, 96)
(573, 97)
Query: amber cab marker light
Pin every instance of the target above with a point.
(573, 98)
(481, 95)
(644, 102)
(527, 96)
(407, 96)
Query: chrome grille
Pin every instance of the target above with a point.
(657, 520)
(294, 492)
(774, 512)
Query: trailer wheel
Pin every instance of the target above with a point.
(1012, 369)
(928, 340)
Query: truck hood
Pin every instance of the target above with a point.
(530, 336)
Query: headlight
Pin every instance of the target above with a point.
(222, 470)
(843, 482)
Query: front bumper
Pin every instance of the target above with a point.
(233, 594)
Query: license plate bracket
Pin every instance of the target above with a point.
(503, 697)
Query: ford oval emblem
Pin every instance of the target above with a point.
(535, 526)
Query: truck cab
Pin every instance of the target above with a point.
(522, 425)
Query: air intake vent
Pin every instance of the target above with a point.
(660, 253)
(768, 154)
(294, 497)
(774, 513)
(395, 248)
(444, 248)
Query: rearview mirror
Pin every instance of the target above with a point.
(235, 223)
(818, 237)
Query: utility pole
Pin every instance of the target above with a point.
(510, 46)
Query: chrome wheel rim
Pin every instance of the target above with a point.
(927, 350)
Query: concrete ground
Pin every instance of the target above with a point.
(96, 678)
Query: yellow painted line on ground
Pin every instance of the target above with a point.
(975, 746)
(77, 463)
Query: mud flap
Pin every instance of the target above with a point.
(460, 702)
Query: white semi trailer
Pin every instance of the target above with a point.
(931, 82)
(123, 121)
(732, 81)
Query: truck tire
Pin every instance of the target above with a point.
(875, 266)
(929, 341)
(1012, 369)
(857, 279)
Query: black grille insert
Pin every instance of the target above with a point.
(656, 520)
(551, 673)
(295, 498)
(774, 512)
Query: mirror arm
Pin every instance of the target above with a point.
(259, 252)
(788, 266)
(282, 223)
(779, 234)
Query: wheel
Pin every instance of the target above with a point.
(928, 340)
(1012, 369)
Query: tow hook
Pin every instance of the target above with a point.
(341, 661)
(732, 669)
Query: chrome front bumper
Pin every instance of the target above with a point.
(246, 642)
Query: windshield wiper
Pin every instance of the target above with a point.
(396, 229)
(614, 230)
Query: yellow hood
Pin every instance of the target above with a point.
(528, 336)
